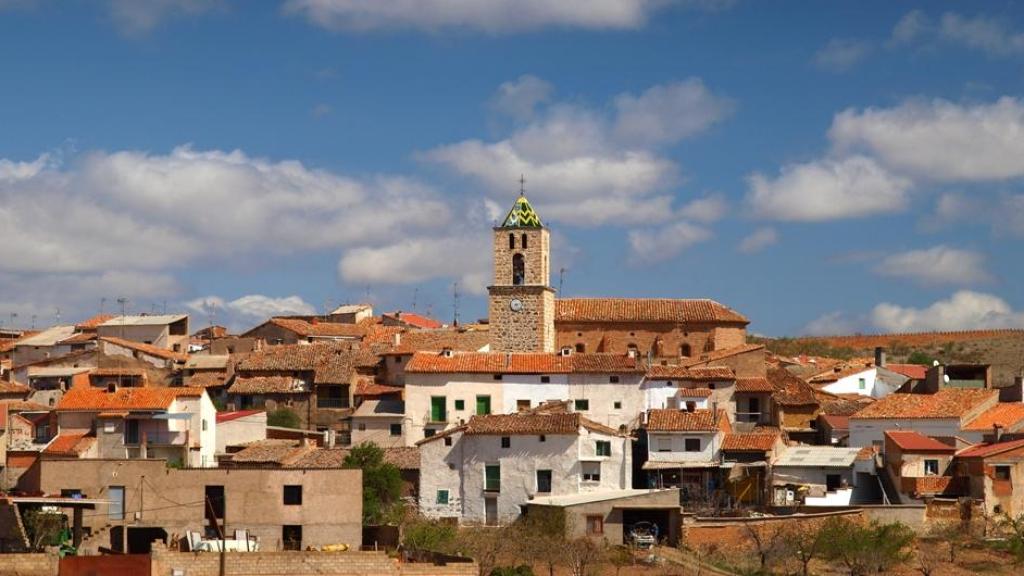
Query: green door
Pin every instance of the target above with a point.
(437, 411)
(483, 405)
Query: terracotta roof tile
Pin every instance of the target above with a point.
(79, 338)
(643, 310)
(90, 399)
(1006, 414)
(695, 392)
(722, 354)
(707, 373)
(414, 320)
(235, 415)
(437, 340)
(682, 421)
(754, 384)
(531, 423)
(911, 441)
(13, 388)
(842, 370)
(25, 406)
(912, 371)
(147, 349)
(117, 372)
(317, 329)
(984, 450)
(330, 362)
(70, 444)
(946, 403)
(292, 454)
(207, 379)
(521, 363)
(790, 390)
(268, 385)
(374, 389)
(749, 442)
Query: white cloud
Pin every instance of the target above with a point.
(321, 110)
(519, 98)
(417, 260)
(492, 16)
(840, 54)
(911, 27)
(990, 35)
(584, 167)
(758, 240)
(939, 140)
(252, 306)
(828, 189)
(964, 310)
(936, 265)
(830, 324)
(711, 208)
(140, 16)
(665, 242)
(668, 113)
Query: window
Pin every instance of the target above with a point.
(518, 270)
(361, 426)
(664, 444)
(460, 404)
(442, 497)
(523, 238)
(582, 404)
(691, 405)
(692, 444)
(396, 429)
(429, 432)
(70, 493)
(617, 405)
(1002, 472)
(522, 405)
(437, 409)
(591, 471)
(581, 347)
(483, 405)
(506, 442)
(862, 383)
(332, 396)
(497, 376)
(543, 480)
(492, 478)
(291, 537)
(215, 496)
(131, 431)
(204, 424)
(931, 467)
(545, 379)
(685, 351)
(711, 385)
(613, 379)
(595, 525)
(511, 241)
(833, 482)
(603, 448)
(447, 440)
(542, 438)
(293, 495)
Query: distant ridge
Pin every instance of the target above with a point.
(911, 338)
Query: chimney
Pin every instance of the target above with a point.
(329, 437)
(997, 432)
(314, 321)
(880, 357)
(447, 352)
(397, 339)
(566, 351)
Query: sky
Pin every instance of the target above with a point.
(821, 167)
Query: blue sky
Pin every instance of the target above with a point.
(821, 167)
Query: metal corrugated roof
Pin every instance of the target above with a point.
(826, 456)
(145, 320)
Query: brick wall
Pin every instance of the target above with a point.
(663, 339)
(42, 564)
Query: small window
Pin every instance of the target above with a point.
(492, 478)
(711, 385)
(833, 482)
(692, 445)
(931, 467)
(522, 405)
(361, 426)
(447, 440)
(506, 442)
(545, 379)
(595, 525)
(613, 379)
(862, 383)
(542, 438)
(291, 537)
(396, 429)
(523, 238)
(460, 404)
(603, 448)
(293, 495)
(497, 376)
(582, 404)
(511, 241)
(429, 432)
(1002, 472)
(442, 497)
(591, 471)
(543, 480)
(581, 348)
(664, 444)
(204, 424)
(685, 351)
(617, 405)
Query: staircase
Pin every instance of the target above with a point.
(92, 542)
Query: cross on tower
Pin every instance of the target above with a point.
(522, 185)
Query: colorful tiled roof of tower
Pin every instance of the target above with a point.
(522, 215)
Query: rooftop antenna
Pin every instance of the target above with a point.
(120, 359)
(561, 278)
(14, 315)
(455, 303)
(415, 293)
(58, 316)
(103, 303)
(33, 321)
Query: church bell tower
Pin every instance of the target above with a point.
(522, 304)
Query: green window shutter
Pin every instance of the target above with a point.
(604, 448)
(483, 405)
(460, 404)
(442, 497)
(437, 408)
(492, 477)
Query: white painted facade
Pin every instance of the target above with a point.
(870, 431)
(457, 472)
(671, 447)
(249, 428)
(865, 383)
(662, 393)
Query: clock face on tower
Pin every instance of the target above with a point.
(516, 304)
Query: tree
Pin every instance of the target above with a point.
(769, 541)
(805, 541)
(284, 418)
(889, 544)
(619, 557)
(43, 528)
(382, 483)
(428, 535)
(582, 555)
(485, 544)
(540, 537)
(1014, 528)
(863, 548)
(920, 357)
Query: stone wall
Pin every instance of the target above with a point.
(661, 339)
(40, 564)
(535, 256)
(531, 329)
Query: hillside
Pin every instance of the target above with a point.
(1003, 349)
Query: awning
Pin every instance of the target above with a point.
(655, 465)
(173, 416)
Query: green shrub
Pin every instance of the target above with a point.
(283, 418)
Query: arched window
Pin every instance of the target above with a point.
(511, 241)
(632, 349)
(524, 241)
(685, 351)
(581, 347)
(518, 269)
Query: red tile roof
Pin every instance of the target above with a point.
(147, 349)
(79, 338)
(207, 379)
(837, 422)
(722, 354)
(117, 372)
(842, 370)
(910, 441)
(89, 399)
(24, 406)
(984, 450)
(521, 363)
(13, 388)
(436, 340)
(92, 323)
(946, 403)
(413, 319)
(1006, 414)
(235, 415)
(695, 392)
(70, 444)
(708, 373)
(268, 385)
(531, 423)
(749, 442)
(668, 420)
(374, 389)
(789, 389)
(330, 362)
(644, 310)
(754, 384)
(912, 371)
(316, 329)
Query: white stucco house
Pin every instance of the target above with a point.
(823, 476)
(676, 386)
(684, 447)
(864, 378)
(487, 470)
(943, 414)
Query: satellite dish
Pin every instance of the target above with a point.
(946, 378)
(935, 362)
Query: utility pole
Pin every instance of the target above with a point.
(561, 278)
(455, 304)
(120, 359)
(220, 533)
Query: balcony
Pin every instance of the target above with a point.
(158, 438)
(332, 403)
